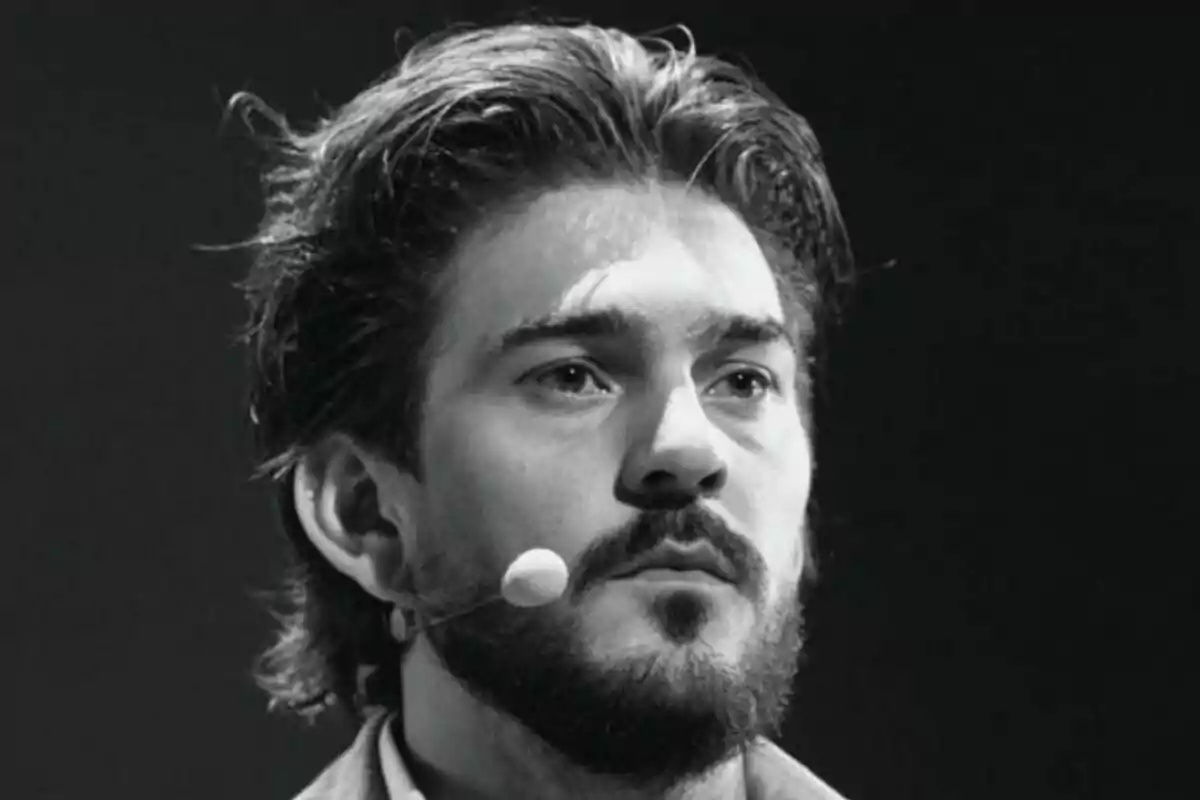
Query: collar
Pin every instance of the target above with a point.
(399, 783)
(372, 768)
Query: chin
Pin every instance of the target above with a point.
(621, 622)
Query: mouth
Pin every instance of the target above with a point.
(656, 575)
(670, 562)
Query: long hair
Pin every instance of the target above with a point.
(363, 208)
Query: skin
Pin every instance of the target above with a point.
(566, 443)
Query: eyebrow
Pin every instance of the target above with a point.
(714, 330)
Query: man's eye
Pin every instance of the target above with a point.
(744, 384)
(573, 379)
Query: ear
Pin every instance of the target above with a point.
(359, 512)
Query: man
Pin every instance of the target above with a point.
(556, 288)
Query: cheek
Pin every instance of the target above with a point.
(780, 502)
(501, 491)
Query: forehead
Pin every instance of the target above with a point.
(668, 253)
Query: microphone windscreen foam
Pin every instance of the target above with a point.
(535, 578)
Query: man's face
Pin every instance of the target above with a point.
(613, 373)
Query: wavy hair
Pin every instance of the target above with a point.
(363, 207)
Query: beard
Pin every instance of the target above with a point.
(656, 719)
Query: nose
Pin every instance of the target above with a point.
(675, 462)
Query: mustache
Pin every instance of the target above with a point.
(650, 529)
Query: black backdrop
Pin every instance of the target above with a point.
(1005, 441)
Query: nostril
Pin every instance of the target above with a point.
(663, 489)
(713, 481)
(658, 479)
(661, 480)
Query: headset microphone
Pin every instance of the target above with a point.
(534, 578)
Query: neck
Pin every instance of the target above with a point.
(460, 749)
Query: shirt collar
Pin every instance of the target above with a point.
(399, 783)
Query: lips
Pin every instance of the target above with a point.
(699, 558)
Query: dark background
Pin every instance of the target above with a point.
(1005, 442)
